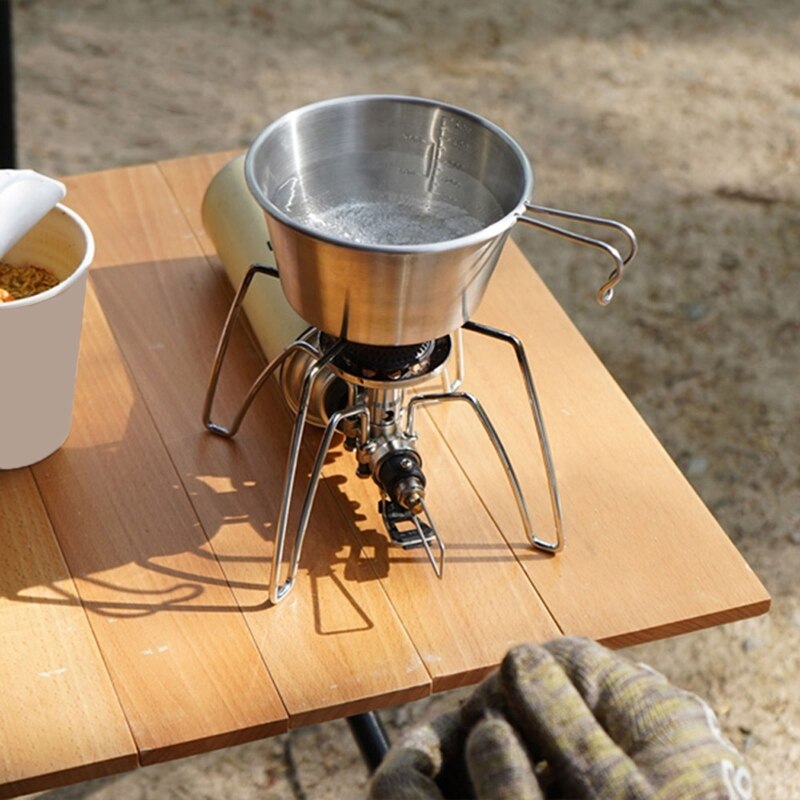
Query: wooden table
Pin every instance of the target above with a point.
(134, 562)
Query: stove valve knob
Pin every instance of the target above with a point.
(401, 478)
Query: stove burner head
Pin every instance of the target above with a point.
(372, 365)
(385, 360)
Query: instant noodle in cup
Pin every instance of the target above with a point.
(39, 338)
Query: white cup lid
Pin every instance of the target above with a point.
(25, 197)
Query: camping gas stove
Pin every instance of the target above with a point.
(387, 216)
(370, 394)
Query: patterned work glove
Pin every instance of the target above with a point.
(568, 719)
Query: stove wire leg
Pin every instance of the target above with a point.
(491, 432)
(311, 493)
(222, 347)
(438, 568)
(279, 590)
(544, 445)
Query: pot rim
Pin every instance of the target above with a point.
(478, 237)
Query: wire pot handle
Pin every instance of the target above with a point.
(606, 291)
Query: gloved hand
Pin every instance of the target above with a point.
(568, 719)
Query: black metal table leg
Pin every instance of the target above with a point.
(370, 736)
(8, 155)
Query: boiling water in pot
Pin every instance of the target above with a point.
(388, 198)
(394, 221)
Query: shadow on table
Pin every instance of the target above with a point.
(197, 534)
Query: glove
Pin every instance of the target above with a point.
(568, 719)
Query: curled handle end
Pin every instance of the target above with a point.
(606, 292)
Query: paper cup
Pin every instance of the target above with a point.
(39, 338)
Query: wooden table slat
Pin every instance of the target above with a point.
(643, 552)
(60, 720)
(180, 655)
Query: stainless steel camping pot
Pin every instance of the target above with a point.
(387, 214)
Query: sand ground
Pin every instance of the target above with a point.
(681, 118)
